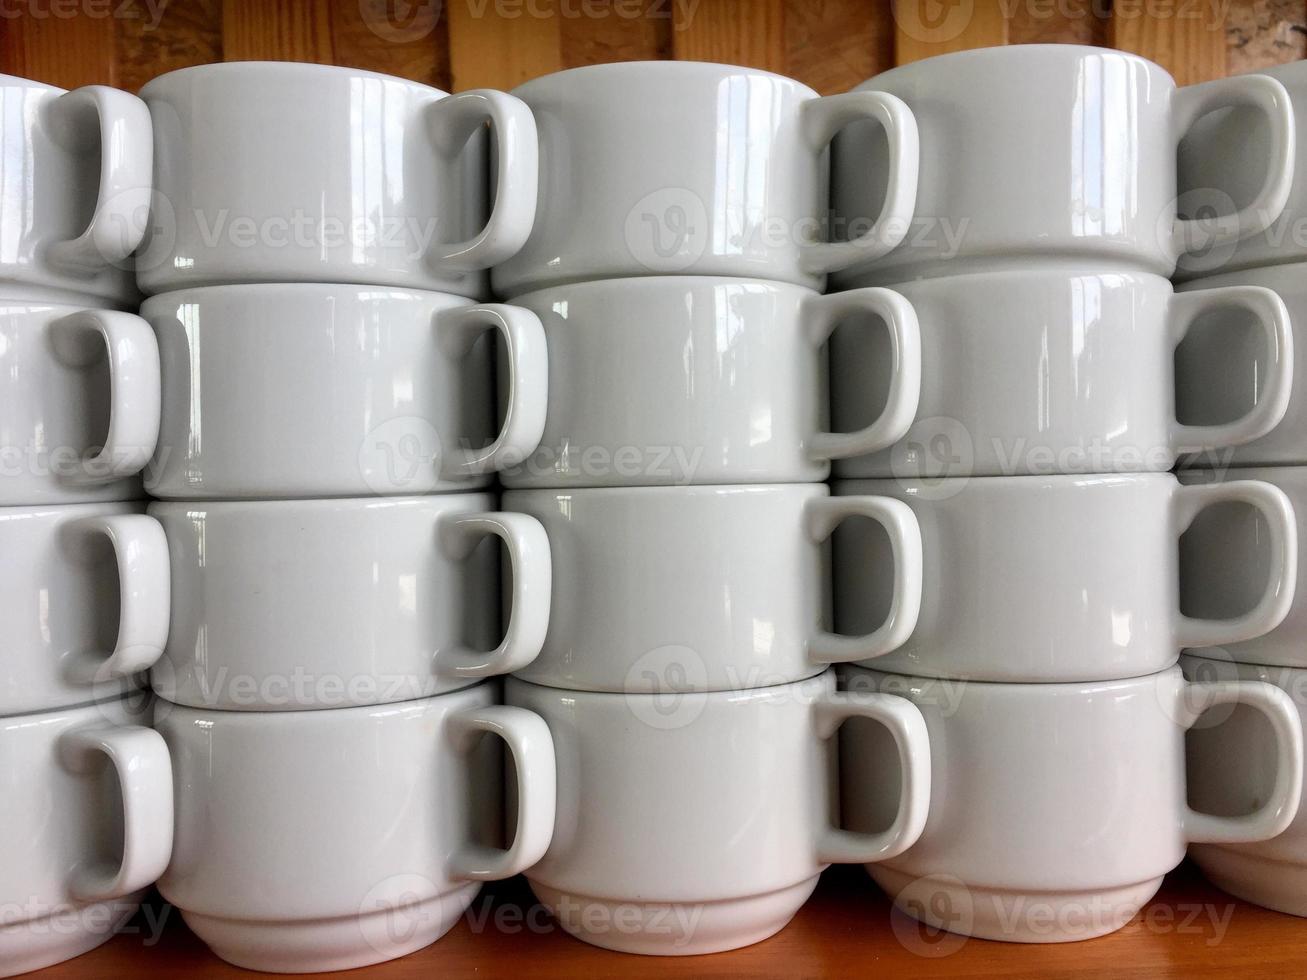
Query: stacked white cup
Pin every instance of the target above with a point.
(1048, 222)
(676, 262)
(317, 245)
(85, 798)
(1234, 745)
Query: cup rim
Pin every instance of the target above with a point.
(681, 490)
(299, 505)
(710, 68)
(297, 718)
(317, 290)
(70, 512)
(685, 282)
(1013, 52)
(1022, 481)
(1051, 688)
(18, 81)
(810, 688)
(279, 69)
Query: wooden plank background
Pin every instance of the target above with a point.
(459, 44)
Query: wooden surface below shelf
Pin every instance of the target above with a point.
(846, 929)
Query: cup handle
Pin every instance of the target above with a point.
(1273, 817)
(528, 382)
(126, 175)
(453, 121)
(134, 389)
(1268, 96)
(905, 724)
(1273, 606)
(144, 587)
(532, 747)
(1273, 319)
(822, 315)
(528, 620)
(822, 515)
(144, 768)
(822, 118)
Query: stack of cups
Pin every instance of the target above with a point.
(685, 674)
(85, 796)
(1235, 762)
(1045, 655)
(329, 434)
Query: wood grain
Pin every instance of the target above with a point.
(732, 32)
(1186, 38)
(502, 43)
(1259, 33)
(53, 43)
(276, 30)
(405, 38)
(834, 45)
(600, 31)
(1058, 22)
(178, 35)
(847, 929)
(829, 44)
(923, 28)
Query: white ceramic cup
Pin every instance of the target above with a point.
(316, 390)
(333, 839)
(696, 379)
(1226, 368)
(1057, 807)
(1233, 765)
(292, 604)
(84, 603)
(706, 588)
(1080, 165)
(75, 171)
(1056, 369)
(79, 403)
(666, 167)
(1227, 555)
(284, 172)
(86, 807)
(1032, 579)
(701, 823)
(1223, 158)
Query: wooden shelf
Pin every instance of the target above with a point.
(1190, 930)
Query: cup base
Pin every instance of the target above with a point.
(674, 928)
(1277, 885)
(326, 945)
(63, 935)
(944, 902)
